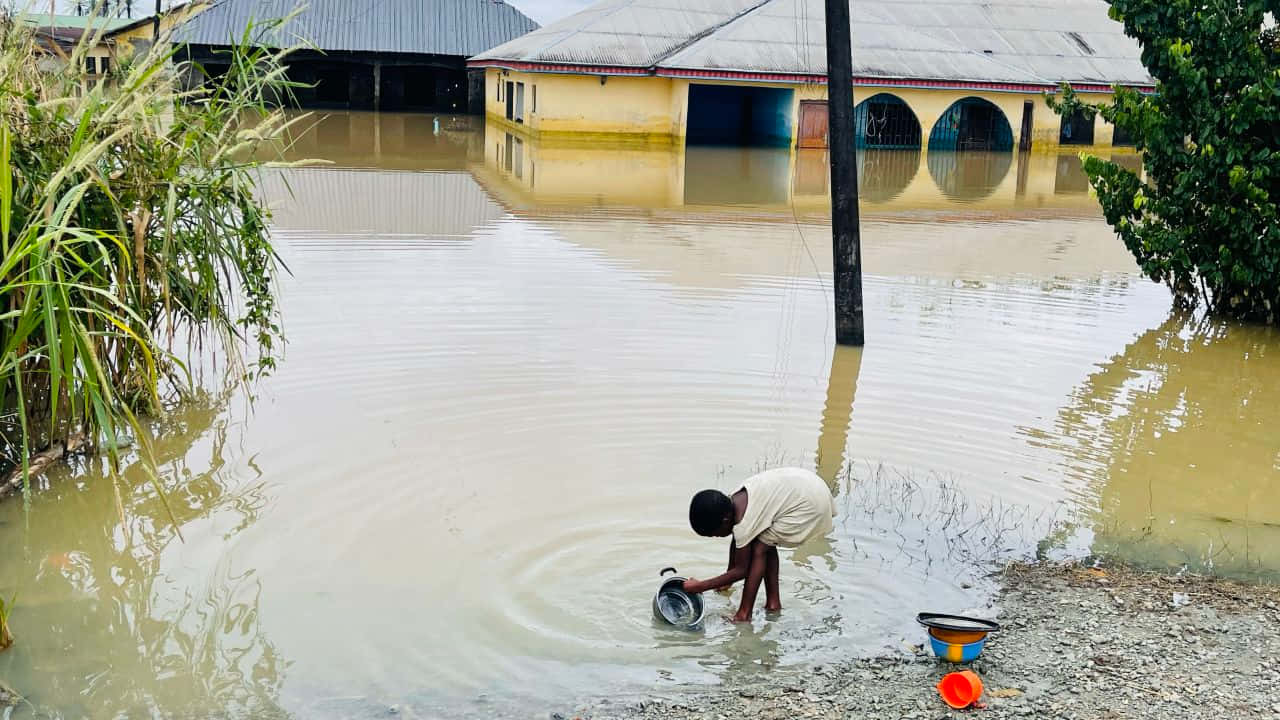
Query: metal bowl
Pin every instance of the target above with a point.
(675, 607)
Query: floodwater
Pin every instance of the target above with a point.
(509, 366)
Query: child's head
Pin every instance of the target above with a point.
(711, 514)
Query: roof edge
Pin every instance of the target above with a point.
(791, 78)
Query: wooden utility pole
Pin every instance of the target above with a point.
(846, 243)
(155, 25)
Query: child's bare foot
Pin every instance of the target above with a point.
(773, 607)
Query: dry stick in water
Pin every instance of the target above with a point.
(41, 461)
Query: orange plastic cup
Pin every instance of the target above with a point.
(960, 689)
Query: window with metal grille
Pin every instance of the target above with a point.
(885, 121)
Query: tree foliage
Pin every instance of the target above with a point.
(1203, 216)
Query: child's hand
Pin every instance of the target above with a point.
(692, 586)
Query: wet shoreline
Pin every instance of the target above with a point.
(1077, 643)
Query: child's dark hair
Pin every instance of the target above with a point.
(709, 511)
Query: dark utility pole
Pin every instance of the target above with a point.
(846, 244)
(155, 25)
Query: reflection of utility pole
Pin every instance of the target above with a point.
(846, 362)
(846, 243)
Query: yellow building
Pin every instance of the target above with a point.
(136, 37)
(59, 35)
(110, 39)
(952, 75)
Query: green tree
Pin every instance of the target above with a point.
(1202, 217)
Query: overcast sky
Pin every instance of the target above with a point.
(546, 12)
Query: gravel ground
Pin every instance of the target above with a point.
(1080, 644)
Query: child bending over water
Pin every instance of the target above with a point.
(776, 508)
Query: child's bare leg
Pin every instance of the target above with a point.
(755, 576)
(772, 597)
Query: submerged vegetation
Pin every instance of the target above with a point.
(134, 245)
(6, 636)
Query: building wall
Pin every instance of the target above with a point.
(580, 106)
(136, 40)
(655, 109)
(930, 105)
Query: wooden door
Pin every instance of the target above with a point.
(1024, 142)
(511, 101)
(813, 124)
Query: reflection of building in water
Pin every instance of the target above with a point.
(969, 176)
(766, 174)
(890, 181)
(333, 201)
(616, 201)
(388, 141)
(388, 55)
(944, 74)
(1179, 435)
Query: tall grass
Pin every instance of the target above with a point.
(133, 242)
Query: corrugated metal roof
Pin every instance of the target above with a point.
(627, 33)
(1008, 41)
(440, 27)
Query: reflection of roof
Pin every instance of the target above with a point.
(338, 201)
(1031, 42)
(442, 27)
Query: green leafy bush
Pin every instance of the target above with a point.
(1202, 217)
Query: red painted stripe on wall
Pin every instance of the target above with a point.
(798, 79)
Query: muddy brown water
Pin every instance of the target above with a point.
(510, 365)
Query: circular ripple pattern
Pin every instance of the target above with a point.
(457, 491)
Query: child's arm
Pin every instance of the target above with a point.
(741, 561)
(759, 551)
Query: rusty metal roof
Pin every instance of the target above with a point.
(1040, 42)
(438, 27)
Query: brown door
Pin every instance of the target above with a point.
(813, 124)
(1024, 142)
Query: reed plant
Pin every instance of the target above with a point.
(6, 607)
(134, 244)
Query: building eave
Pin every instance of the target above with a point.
(787, 78)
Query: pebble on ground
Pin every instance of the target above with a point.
(1076, 644)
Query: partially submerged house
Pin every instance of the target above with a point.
(58, 35)
(946, 74)
(376, 54)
